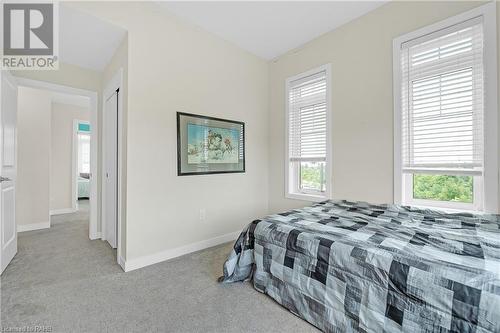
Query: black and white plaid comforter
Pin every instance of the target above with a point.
(355, 267)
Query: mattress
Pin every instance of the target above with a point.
(83, 187)
(358, 267)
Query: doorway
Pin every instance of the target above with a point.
(8, 169)
(72, 143)
(81, 163)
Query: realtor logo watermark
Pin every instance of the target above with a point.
(30, 35)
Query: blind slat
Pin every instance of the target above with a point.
(307, 118)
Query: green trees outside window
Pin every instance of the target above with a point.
(312, 176)
(425, 186)
(443, 188)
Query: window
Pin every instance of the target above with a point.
(308, 144)
(441, 112)
(83, 153)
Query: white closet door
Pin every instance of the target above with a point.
(111, 169)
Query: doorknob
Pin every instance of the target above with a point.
(4, 179)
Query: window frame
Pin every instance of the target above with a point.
(292, 168)
(486, 185)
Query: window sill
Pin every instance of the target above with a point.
(445, 209)
(306, 197)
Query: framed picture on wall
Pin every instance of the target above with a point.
(207, 145)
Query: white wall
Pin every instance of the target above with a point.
(174, 66)
(67, 75)
(61, 169)
(362, 101)
(33, 154)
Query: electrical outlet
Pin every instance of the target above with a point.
(203, 214)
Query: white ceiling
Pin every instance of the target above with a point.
(270, 29)
(85, 40)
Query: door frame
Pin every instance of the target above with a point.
(94, 143)
(74, 162)
(114, 84)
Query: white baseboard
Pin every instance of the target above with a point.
(130, 265)
(62, 211)
(33, 226)
(97, 235)
(121, 262)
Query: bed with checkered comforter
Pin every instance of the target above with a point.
(356, 267)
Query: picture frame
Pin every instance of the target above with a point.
(209, 145)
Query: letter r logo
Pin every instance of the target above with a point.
(28, 29)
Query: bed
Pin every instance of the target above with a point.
(358, 267)
(83, 187)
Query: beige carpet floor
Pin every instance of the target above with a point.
(60, 278)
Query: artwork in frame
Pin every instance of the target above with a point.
(207, 145)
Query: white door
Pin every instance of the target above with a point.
(111, 169)
(8, 169)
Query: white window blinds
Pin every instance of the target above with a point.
(442, 100)
(83, 153)
(307, 118)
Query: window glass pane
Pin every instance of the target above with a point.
(83, 127)
(443, 188)
(83, 153)
(312, 176)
